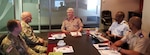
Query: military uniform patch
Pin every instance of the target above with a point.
(9, 49)
(141, 35)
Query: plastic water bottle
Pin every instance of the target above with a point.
(88, 31)
(96, 29)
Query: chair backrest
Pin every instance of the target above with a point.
(2, 37)
(149, 34)
(106, 13)
(81, 20)
(106, 17)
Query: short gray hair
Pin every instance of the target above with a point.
(136, 21)
(70, 9)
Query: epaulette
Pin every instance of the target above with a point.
(125, 23)
(9, 49)
(141, 35)
(129, 31)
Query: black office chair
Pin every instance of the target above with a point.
(149, 34)
(1, 39)
(106, 19)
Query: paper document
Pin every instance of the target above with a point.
(64, 49)
(57, 36)
(75, 33)
(109, 52)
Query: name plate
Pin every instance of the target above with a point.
(55, 53)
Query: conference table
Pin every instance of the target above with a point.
(82, 45)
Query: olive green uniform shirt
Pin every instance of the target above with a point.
(12, 45)
(28, 32)
(32, 40)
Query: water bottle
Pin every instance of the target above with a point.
(88, 31)
(96, 29)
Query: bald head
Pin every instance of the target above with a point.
(119, 16)
(26, 16)
(136, 22)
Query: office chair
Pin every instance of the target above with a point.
(1, 39)
(149, 35)
(81, 20)
(106, 19)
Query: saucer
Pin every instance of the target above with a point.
(61, 44)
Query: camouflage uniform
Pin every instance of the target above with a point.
(32, 40)
(12, 45)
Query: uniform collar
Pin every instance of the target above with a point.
(139, 34)
(123, 21)
(23, 22)
(12, 37)
(72, 19)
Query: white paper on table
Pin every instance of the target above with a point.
(51, 38)
(75, 33)
(64, 49)
(57, 36)
(108, 52)
(101, 48)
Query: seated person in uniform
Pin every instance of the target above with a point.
(118, 28)
(36, 43)
(71, 23)
(136, 38)
(13, 43)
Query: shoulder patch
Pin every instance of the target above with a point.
(129, 31)
(141, 35)
(124, 22)
(9, 48)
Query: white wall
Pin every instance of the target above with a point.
(146, 16)
(120, 5)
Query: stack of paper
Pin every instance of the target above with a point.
(57, 36)
(64, 49)
(75, 33)
(103, 49)
(109, 52)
